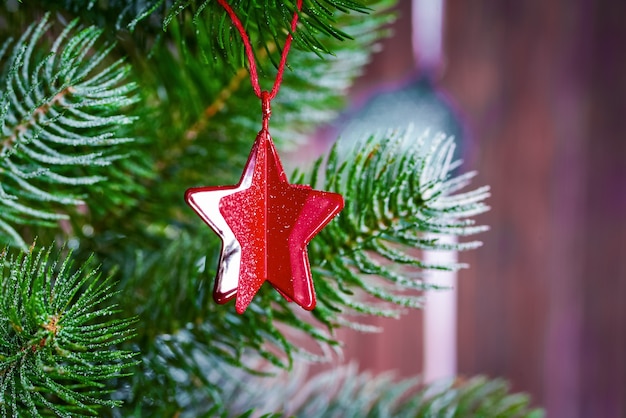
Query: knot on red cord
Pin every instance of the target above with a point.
(265, 108)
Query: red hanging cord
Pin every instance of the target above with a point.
(254, 77)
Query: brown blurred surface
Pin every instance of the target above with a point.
(542, 86)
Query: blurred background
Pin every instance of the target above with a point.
(540, 87)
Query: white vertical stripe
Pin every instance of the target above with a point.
(440, 317)
(427, 33)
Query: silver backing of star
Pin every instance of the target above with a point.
(207, 205)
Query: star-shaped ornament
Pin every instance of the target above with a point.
(265, 224)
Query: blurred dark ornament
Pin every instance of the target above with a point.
(418, 104)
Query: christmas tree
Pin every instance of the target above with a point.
(110, 110)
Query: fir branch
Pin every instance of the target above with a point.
(344, 392)
(55, 337)
(266, 22)
(339, 392)
(271, 20)
(60, 122)
(114, 15)
(398, 199)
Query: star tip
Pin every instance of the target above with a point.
(337, 203)
(240, 306)
(189, 195)
(306, 302)
(264, 136)
(222, 298)
(309, 307)
(241, 309)
(340, 202)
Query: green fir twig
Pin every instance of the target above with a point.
(344, 392)
(61, 111)
(399, 199)
(57, 338)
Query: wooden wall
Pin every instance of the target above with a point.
(542, 86)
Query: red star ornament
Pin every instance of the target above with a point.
(265, 224)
